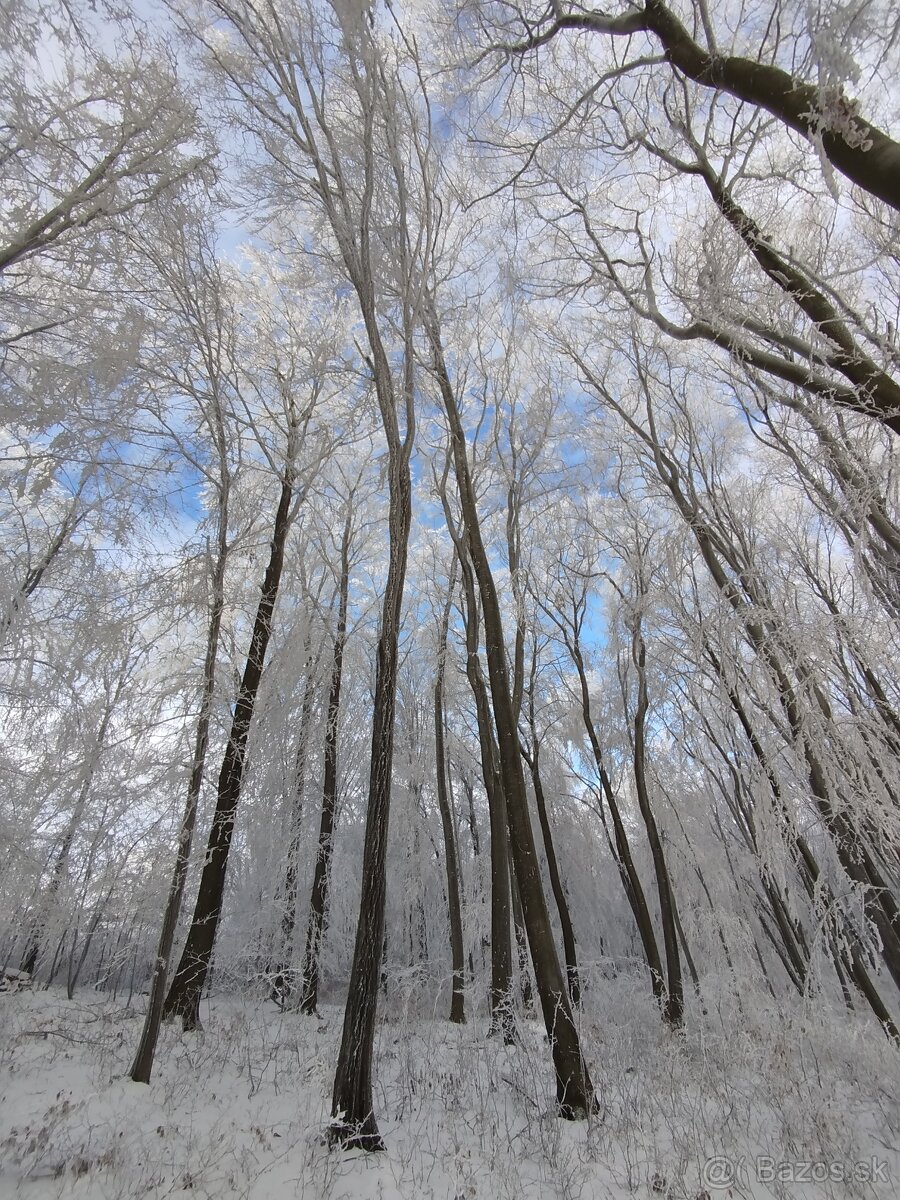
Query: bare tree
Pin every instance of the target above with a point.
(318, 904)
(187, 984)
(196, 291)
(451, 863)
(821, 113)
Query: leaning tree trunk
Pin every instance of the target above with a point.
(559, 892)
(628, 873)
(142, 1066)
(532, 760)
(187, 985)
(502, 1019)
(574, 1090)
(673, 1007)
(75, 968)
(879, 902)
(846, 952)
(318, 904)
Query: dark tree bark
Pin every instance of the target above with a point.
(187, 985)
(56, 960)
(513, 542)
(686, 951)
(740, 586)
(318, 903)
(451, 862)
(879, 393)
(860, 151)
(354, 1124)
(142, 1066)
(502, 1016)
(628, 873)
(673, 1008)
(470, 816)
(574, 1090)
(532, 760)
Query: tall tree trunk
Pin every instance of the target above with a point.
(142, 1066)
(532, 760)
(880, 904)
(352, 1108)
(559, 893)
(673, 1007)
(627, 870)
(454, 907)
(849, 959)
(518, 689)
(574, 1090)
(318, 903)
(187, 985)
(502, 1016)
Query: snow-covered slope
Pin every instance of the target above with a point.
(240, 1110)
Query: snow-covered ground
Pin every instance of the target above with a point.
(746, 1104)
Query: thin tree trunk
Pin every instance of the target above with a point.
(556, 884)
(686, 950)
(741, 595)
(75, 968)
(281, 984)
(628, 871)
(521, 940)
(142, 1067)
(559, 893)
(673, 1008)
(454, 907)
(187, 985)
(574, 1090)
(318, 903)
(48, 902)
(352, 1107)
(54, 965)
(806, 863)
(32, 580)
(502, 1017)
(879, 902)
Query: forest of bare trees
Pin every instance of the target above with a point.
(451, 523)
